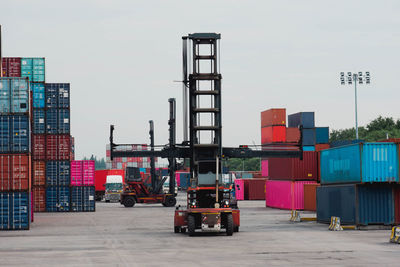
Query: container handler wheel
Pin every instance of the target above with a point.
(129, 202)
(177, 229)
(236, 229)
(170, 201)
(191, 225)
(183, 230)
(229, 225)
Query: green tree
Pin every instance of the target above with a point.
(100, 164)
(252, 164)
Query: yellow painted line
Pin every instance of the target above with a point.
(349, 227)
(311, 219)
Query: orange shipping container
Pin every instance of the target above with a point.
(39, 198)
(39, 172)
(319, 147)
(292, 135)
(15, 172)
(273, 117)
(310, 197)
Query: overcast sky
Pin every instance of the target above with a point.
(121, 58)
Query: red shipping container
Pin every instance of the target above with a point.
(273, 117)
(100, 177)
(58, 147)
(15, 172)
(310, 197)
(292, 135)
(294, 168)
(319, 147)
(39, 173)
(256, 189)
(11, 66)
(39, 198)
(397, 204)
(273, 134)
(39, 146)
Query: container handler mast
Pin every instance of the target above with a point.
(208, 197)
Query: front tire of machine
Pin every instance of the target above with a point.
(170, 202)
(177, 229)
(129, 202)
(191, 225)
(229, 225)
(183, 230)
(236, 229)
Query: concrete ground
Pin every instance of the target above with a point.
(143, 236)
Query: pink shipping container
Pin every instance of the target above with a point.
(82, 172)
(178, 179)
(264, 168)
(239, 189)
(287, 195)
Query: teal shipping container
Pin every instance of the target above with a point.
(322, 135)
(14, 95)
(33, 68)
(360, 163)
(308, 148)
(38, 96)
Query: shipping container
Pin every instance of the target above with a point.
(100, 180)
(38, 95)
(239, 189)
(308, 137)
(57, 198)
(285, 194)
(256, 189)
(82, 198)
(294, 168)
(39, 173)
(38, 125)
(14, 95)
(264, 168)
(319, 147)
(339, 143)
(82, 172)
(39, 198)
(76, 173)
(57, 121)
(14, 134)
(58, 147)
(360, 163)
(273, 134)
(322, 135)
(14, 210)
(308, 148)
(273, 117)
(39, 146)
(58, 173)
(11, 66)
(57, 95)
(302, 118)
(310, 197)
(356, 204)
(15, 172)
(184, 180)
(396, 193)
(292, 135)
(33, 68)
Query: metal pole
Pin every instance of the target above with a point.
(217, 184)
(355, 78)
(1, 56)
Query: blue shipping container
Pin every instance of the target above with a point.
(82, 198)
(57, 95)
(344, 142)
(14, 134)
(360, 163)
(38, 95)
(33, 68)
(14, 210)
(185, 180)
(57, 198)
(308, 148)
(308, 137)
(302, 118)
(58, 173)
(356, 204)
(39, 126)
(14, 95)
(322, 135)
(57, 121)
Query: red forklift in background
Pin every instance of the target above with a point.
(210, 204)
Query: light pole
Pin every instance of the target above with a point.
(356, 78)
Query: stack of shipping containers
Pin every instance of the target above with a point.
(287, 176)
(15, 156)
(82, 185)
(359, 184)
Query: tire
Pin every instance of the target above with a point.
(236, 229)
(183, 230)
(170, 202)
(229, 225)
(129, 202)
(107, 201)
(177, 229)
(191, 225)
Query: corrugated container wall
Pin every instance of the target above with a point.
(57, 198)
(38, 95)
(33, 68)
(273, 134)
(364, 162)
(15, 210)
(302, 118)
(14, 95)
(15, 172)
(14, 134)
(256, 189)
(310, 197)
(39, 146)
(57, 121)
(322, 135)
(82, 198)
(294, 168)
(356, 204)
(39, 198)
(39, 127)
(58, 173)
(57, 95)
(11, 66)
(39, 173)
(273, 117)
(292, 135)
(239, 189)
(308, 137)
(58, 147)
(264, 168)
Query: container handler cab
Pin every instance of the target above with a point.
(209, 200)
